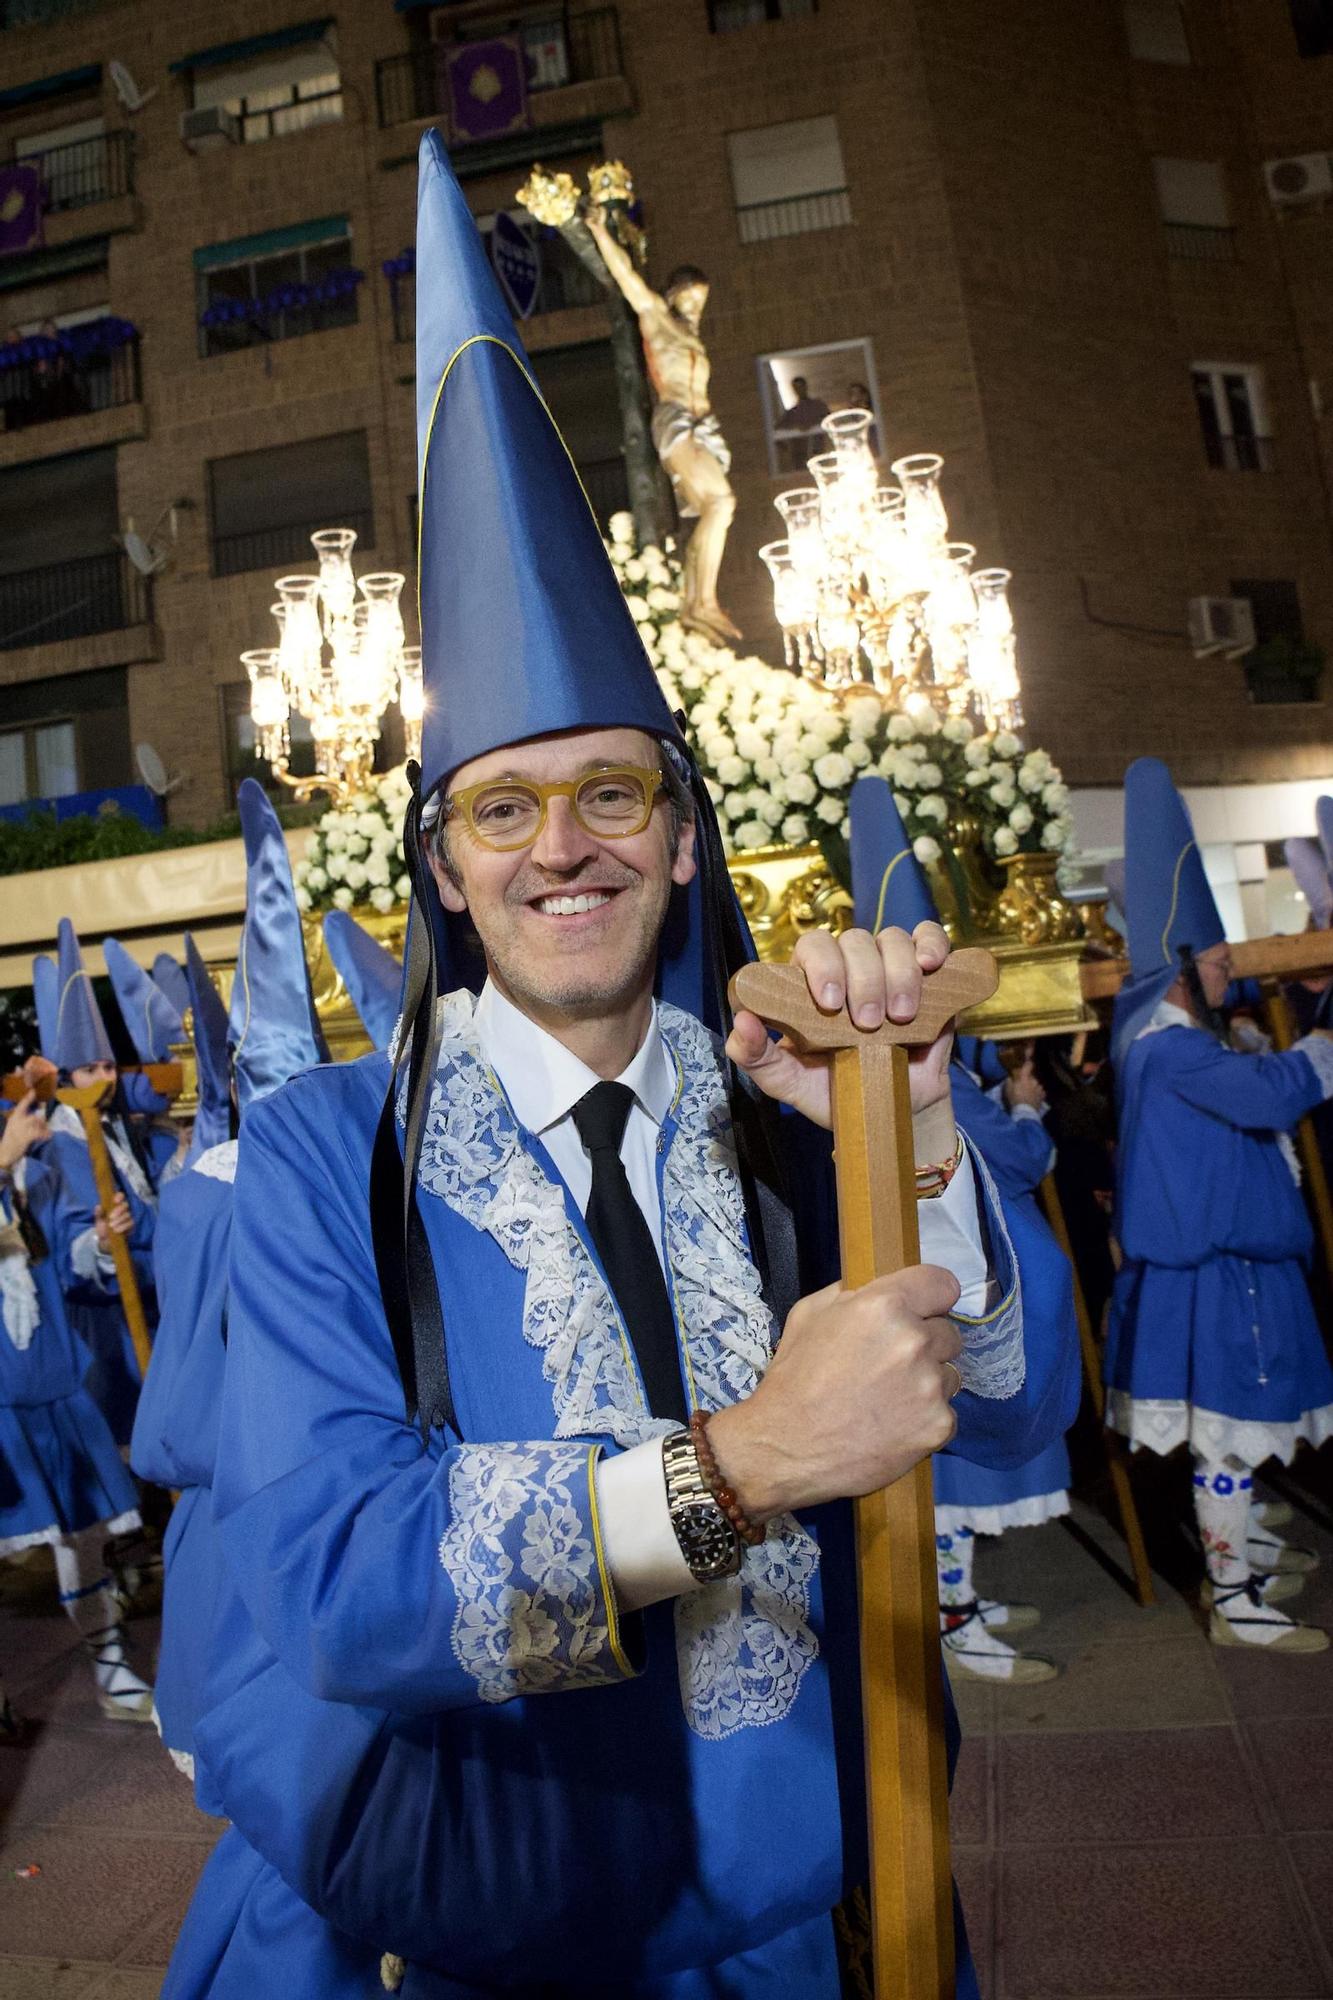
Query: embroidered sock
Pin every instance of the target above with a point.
(87, 1595)
(954, 1550)
(1222, 1492)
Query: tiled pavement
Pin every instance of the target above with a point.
(1157, 1824)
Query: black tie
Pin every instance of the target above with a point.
(625, 1245)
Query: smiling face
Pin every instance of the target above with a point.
(570, 923)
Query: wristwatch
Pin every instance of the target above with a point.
(708, 1542)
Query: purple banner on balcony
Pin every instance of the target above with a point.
(485, 87)
(21, 200)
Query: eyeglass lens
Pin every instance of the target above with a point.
(611, 804)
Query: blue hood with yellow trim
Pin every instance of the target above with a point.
(1168, 904)
(888, 886)
(273, 1032)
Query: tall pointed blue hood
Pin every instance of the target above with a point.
(273, 1032)
(1305, 858)
(208, 1029)
(888, 886)
(46, 1001)
(151, 1020)
(1168, 903)
(80, 1034)
(170, 976)
(524, 629)
(372, 975)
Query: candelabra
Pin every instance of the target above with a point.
(868, 588)
(339, 662)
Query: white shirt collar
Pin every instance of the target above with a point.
(543, 1080)
(1166, 1014)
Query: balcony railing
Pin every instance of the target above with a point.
(1200, 243)
(62, 382)
(71, 600)
(88, 170)
(1239, 454)
(575, 48)
(794, 215)
(274, 548)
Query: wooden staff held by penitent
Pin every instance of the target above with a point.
(902, 1677)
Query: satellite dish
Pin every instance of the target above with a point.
(154, 772)
(127, 90)
(146, 560)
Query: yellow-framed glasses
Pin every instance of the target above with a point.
(505, 813)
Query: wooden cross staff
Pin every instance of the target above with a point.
(902, 1679)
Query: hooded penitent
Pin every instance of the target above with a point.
(372, 975)
(1305, 858)
(152, 1022)
(524, 632)
(273, 1032)
(1169, 907)
(171, 978)
(888, 886)
(46, 1001)
(208, 1029)
(79, 1035)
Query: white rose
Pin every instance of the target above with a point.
(1030, 781)
(714, 790)
(864, 714)
(750, 742)
(1039, 761)
(753, 833)
(901, 727)
(926, 849)
(828, 724)
(810, 745)
(833, 770)
(771, 812)
(357, 845)
(383, 900)
(342, 899)
(637, 606)
(796, 829)
(691, 678)
(621, 526)
(378, 871)
(1055, 836)
(800, 787)
(981, 775)
(907, 774)
(402, 888)
(370, 824)
(904, 805)
(1055, 797)
(660, 599)
(316, 879)
(977, 752)
(930, 774)
(303, 902)
(356, 876)
(336, 835)
(734, 806)
(932, 807)
(830, 811)
(1020, 819)
(732, 770)
(1003, 793)
(1007, 744)
(336, 865)
(767, 770)
(957, 730)
(857, 753)
(1005, 841)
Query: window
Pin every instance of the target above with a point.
(275, 287)
(62, 736)
(1156, 31)
(265, 505)
(726, 14)
(788, 179)
(74, 162)
(1233, 416)
(38, 763)
(579, 384)
(799, 388)
(1276, 604)
(1192, 197)
(61, 574)
(1312, 25)
(277, 92)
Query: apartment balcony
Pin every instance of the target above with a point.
(70, 391)
(286, 543)
(565, 284)
(1200, 243)
(88, 188)
(71, 616)
(575, 74)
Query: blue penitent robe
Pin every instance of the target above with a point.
(1212, 1336)
(433, 1731)
(113, 1378)
(1019, 1153)
(176, 1428)
(59, 1467)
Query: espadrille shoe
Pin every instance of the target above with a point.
(1241, 1617)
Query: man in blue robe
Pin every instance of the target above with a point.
(1212, 1341)
(970, 1500)
(505, 1699)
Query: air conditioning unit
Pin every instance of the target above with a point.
(1221, 625)
(1308, 177)
(209, 126)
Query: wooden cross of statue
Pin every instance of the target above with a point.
(902, 1677)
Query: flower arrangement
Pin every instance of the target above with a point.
(354, 854)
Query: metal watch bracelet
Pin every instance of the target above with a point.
(706, 1538)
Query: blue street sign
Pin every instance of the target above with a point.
(518, 263)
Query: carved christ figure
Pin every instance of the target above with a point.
(685, 431)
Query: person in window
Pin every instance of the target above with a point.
(798, 436)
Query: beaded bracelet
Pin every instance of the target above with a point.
(747, 1529)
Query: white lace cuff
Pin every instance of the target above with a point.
(524, 1555)
(1318, 1051)
(993, 1363)
(94, 1266)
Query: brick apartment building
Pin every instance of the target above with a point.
(1048, 237)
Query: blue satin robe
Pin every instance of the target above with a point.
(175, 1433)
(59, 1467)
(378, 1804)
(1211, 1312)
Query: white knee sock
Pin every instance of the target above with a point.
(954, 1550)
(86, 1593)
(1222, 1493)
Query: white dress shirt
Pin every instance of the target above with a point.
(543, 1081)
